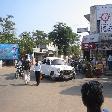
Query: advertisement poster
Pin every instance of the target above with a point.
(9, 51)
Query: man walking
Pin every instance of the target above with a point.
(37, 69)
(26, 67)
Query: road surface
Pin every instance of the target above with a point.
(49, 96)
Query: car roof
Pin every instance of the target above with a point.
(52, 58)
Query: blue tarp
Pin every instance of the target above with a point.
(9, 51)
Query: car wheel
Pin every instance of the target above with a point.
(52, 75)
(74, 75)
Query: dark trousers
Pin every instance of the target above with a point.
(37, 76)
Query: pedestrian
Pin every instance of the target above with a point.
(92, 96)
(104, 64)
(110, 62)
(26, 68)
(37, 70)
(88, 70)
(99, 68)
(93, 62)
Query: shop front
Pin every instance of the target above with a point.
(89, 50)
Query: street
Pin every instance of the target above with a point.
(49, 96)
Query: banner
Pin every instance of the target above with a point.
(9, 51)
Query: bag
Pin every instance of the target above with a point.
(26, 65)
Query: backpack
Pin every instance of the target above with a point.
(26, 65)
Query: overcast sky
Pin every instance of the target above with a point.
(31, 15)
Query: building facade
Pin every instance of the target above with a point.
(45, 50)
(99, 40)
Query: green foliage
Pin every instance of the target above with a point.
(40, 37)
(7, 30)
(26, 43)
(64, 38)
(75, 50)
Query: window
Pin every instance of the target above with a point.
(48, 62)
(44, 61)
(58, 62)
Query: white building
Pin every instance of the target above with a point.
(45, 50)
(100, 37)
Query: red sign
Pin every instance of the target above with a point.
(88, 46)
(105, 16)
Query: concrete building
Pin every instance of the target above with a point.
(45, 50)
(99, 41)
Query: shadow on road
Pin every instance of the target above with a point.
(3, 85)
(76, 90)
(23, 84)
(10, 76)
(18, 84)
(73, 89)
(46, 79)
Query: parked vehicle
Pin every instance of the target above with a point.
(55, 67)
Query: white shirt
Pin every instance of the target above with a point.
(19, 63)
(37, 67)
(105, 110)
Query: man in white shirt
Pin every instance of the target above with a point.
(26, 68)
(37, 69)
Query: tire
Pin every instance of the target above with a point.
(74, 76)
(51, 75)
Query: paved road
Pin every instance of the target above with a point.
(49, 96)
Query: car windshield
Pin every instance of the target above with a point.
(58, 62)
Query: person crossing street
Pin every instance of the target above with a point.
(26, 67)
(37, 70)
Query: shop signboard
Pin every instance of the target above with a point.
(106, 37)
(88, 46)
(81, 30)
(90, 38)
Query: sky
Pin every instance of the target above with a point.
(31, 15)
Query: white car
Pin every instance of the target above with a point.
(55, 67)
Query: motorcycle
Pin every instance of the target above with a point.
(19, 72)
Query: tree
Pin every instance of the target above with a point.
(7, 30)
(26, 43)
(63, 37)
(40, 37)
(75, 50)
